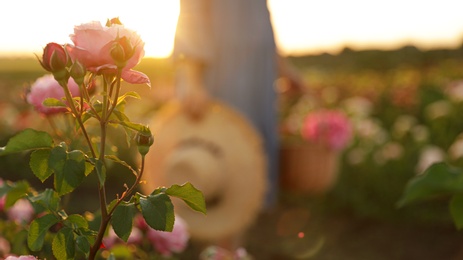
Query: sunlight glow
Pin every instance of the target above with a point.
(26, 31)
(301, 26)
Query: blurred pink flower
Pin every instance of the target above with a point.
(22, 257)
(4, 247)
(47, 87)
(21, 211)
(167, 243)
(3, 198)
(329, 127)
(94, 43)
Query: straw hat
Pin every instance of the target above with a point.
(221, 155)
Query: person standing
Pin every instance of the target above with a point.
(225, 49)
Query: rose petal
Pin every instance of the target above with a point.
(135, 77)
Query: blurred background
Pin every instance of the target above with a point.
(394, 68)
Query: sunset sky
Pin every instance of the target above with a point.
(301, 26)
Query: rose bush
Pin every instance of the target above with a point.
(104, 56)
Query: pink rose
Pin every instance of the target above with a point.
(96, 46)
(2, 198)
(22, 257)
(4, 246)
(329, 127)
(21, 211)
(167, 243)
(47, 87)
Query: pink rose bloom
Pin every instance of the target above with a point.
(93, 44)
(329, 127)
(167, 243)
(3, 198)
(22, 257)
(21, 211)
(2, 202)
(140, 222)
(4, 246)
(47, 87)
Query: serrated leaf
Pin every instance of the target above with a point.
(39, 164)
(158, 211)
(439, 179)
(70, 177)
(48, 199)
(38, 229)
(26, 140)
(193, 197)
(63, 244)
(83, 244)
(122, 220)
(57, 158)
(53, 102)
(76, 221)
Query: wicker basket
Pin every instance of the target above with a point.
(309, 168)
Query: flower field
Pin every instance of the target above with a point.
(405, 109)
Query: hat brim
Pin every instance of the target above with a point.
(242, 196)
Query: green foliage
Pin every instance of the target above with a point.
(122, 220)
(26, 140)
(38, 229)
(158, 211)
(190, 195)
(440, 179)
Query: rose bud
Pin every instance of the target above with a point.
(122, 51)
(55, 59)
(144, 141)
(78, 72)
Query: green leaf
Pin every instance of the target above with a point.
(48, 199)
(57, 158)
(39, 164)
(135, 126)
(456, 210)
(76, 221)
(69, 169)
(132, 94)
(193, 197)
(38, 229)
(53, 102)
(118, 116)
(83, 244)
(26, 140)
(122, 220)
(63, 244)
(15, 191)
(117, 160)
(158, 211)
(439, 179)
